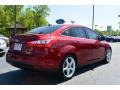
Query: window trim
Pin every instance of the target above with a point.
(73, 36)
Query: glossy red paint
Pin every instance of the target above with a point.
(51, 54)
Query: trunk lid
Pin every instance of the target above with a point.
(21, 43)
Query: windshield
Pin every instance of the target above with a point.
(45, 29)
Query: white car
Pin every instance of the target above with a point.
(5, 38)
(3, 46)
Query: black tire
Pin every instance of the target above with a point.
(68, 66)
(108, 56)
(2, 54)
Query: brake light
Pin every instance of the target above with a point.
(41, 42)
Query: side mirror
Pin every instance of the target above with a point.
(101, 38)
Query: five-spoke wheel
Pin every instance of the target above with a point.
(108, 55)
(68, 67)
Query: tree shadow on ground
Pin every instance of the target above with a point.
(22, 77)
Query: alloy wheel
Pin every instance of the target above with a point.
(108, 55)
(69, 67)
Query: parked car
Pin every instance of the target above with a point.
(118, 38)
(5, 38)
(110, 39)
(60, 48)
(2, 47)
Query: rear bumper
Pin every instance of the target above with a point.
(19, 64)
(32, 62)
(29, 66)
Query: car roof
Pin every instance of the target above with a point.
(74, 25)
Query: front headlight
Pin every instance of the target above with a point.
(7, 41)
(3, 43)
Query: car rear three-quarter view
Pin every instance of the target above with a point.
(58, 48)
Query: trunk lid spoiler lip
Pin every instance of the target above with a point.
(31, 37)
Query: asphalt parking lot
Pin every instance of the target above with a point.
(96, 74)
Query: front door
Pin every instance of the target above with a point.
(96, 45)
(83, 45)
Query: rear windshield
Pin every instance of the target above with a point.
(45, 29)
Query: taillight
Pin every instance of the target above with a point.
(41, 42)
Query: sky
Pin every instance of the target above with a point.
(82, 14)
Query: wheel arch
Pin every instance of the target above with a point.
(109, 47)
(67, 54)
(74, 55)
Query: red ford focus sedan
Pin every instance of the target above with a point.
(58, 47)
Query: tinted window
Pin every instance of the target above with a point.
(45, 29)
(66, 32)
(77, 32)
(91, 34)
(74, 32)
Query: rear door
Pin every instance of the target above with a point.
(81, 42)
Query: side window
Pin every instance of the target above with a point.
(91, 34)
(66, 32)
(75, 32)
(78, 32)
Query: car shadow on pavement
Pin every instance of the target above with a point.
(22, 77)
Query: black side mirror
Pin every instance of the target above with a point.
(101, 38)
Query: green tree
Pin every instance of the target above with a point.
(2, 15)
(40, 13)
(7, 16)
(35, 16)
(29, 17)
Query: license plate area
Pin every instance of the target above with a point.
(18, 46)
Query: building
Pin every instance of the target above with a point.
(109, 28)
(19, 29)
